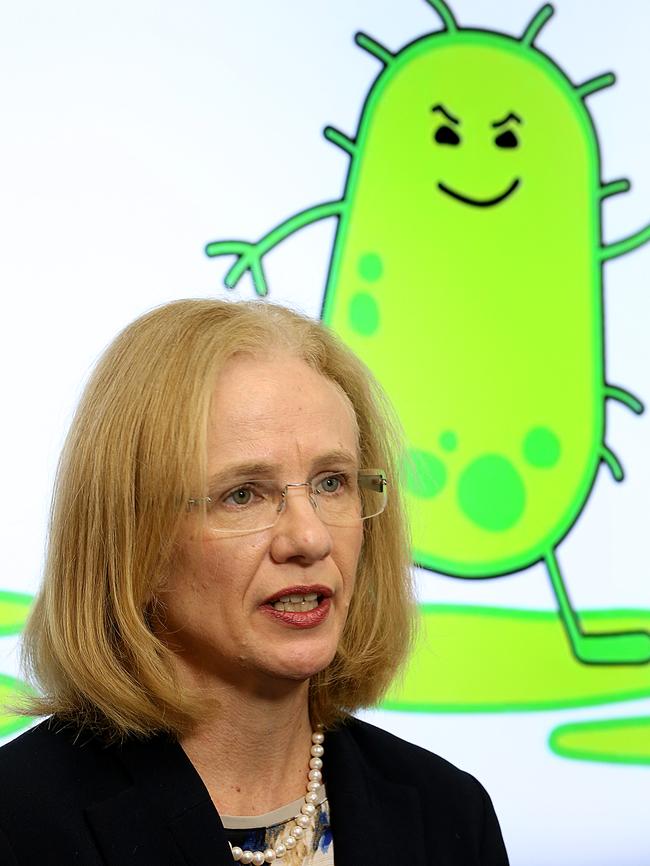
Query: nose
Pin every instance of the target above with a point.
(300, 533)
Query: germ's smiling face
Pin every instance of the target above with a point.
(502, 133)
(277, 420)
(468, 126)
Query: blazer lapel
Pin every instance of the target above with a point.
(165, 817)
(373, 819)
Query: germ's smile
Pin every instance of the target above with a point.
(477, 202)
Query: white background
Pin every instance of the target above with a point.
(135, 132)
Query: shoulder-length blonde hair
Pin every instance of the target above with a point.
(135, 454)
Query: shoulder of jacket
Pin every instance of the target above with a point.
(49, 737)
(392, 755)
(49, 764)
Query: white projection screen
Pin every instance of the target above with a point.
(137, 133)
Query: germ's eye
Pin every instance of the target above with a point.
(506, 139)
(446, 135)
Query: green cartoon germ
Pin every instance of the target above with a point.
(467, 273)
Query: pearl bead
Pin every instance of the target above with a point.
(302, 821)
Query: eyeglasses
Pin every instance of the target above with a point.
(339, 499)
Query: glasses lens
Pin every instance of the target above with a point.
(253, 506)
(347, 505)
(337, 500)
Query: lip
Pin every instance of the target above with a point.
(477, 202)
(300, 619)
(300, 589)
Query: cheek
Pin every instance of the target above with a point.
(350, 551)
(205, 569)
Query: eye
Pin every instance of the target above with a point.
(446, 135)
(507, 139)
(239, 497)
(330, 484)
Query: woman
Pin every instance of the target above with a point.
(227, 580)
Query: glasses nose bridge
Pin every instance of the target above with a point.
(295, 485)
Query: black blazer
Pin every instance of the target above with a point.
(67, 799)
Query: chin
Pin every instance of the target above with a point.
(304, 665)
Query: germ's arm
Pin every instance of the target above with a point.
(250, 254)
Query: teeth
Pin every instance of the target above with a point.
(298, 606)
(295, 599)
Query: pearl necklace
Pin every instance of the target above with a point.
(304, 819)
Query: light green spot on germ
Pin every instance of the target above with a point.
(370, 267)
(364, 314)
(448, 440)
(426, 475)
(491, 493)
(541, 448)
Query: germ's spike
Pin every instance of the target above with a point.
(531, 32)
(612, 392)
(373, 47)
(620, 248)
(615, 187)
(340, 139)
(613, 463)
(446, 14)
(594, 84)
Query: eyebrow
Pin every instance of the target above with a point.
(510, 116)
(258, 469)
(444, 111)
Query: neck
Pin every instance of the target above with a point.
(252, 752)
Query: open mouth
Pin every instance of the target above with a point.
(298, 603)
(480, 202)
(300, 608)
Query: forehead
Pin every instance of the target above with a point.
(277, 410)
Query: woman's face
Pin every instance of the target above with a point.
(280, 421)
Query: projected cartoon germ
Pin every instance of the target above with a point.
(467, 273)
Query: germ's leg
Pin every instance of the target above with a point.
(604, 648)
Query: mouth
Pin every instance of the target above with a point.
(299, 606)
(480, 202)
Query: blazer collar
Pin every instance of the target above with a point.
(374, 820)
(166, 815)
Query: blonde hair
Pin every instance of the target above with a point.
(134, 455)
